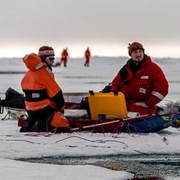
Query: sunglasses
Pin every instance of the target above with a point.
(51, 58)
(137, 47)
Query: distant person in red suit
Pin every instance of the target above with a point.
(87, 57)
(64, 57)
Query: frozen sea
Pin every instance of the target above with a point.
(75, 77)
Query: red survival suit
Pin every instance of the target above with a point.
(87, 57)
(64, 57)
(148, 84)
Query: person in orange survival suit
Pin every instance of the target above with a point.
(64, 57)
(141, 80)
(87, 57)
(44, 100)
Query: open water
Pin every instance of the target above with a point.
(143, 165)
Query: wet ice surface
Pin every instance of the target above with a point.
(154, 156)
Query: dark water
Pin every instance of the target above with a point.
(147, 165)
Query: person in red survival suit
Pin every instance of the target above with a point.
(141, 80)
(64, 57)
(87, 57)
(44, 100)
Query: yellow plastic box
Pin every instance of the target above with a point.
(110, 105)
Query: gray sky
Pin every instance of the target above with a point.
(106, 26)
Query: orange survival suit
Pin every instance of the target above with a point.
(43, 97)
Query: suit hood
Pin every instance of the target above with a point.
(33, 62)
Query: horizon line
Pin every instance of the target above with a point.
(105, 56)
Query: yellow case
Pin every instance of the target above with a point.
(108, 104)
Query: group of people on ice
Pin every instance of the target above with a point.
(64, 58)
(142, 82)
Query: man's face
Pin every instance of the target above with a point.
(137, 55)
(50, 60)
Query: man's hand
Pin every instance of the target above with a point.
(142, 104)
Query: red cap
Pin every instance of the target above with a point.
(134, 46)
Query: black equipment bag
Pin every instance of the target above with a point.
(13, 99)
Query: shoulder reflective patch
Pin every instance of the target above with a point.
(39, 66)
(25, 56)
(144, 77)
(158, 95)
(49, 70)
